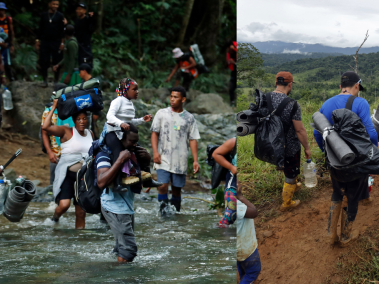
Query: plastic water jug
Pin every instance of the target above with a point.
(309, 170)
(3, 194)
(7, 99)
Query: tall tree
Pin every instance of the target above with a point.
(249, 62)
(186, 18)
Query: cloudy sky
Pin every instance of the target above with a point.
(329, 22)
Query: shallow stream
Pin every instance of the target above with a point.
(180, 248)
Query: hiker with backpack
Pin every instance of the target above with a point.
(355, 189)
(70, 59)
(230, 191)
(186, 64)
(118, 206)
(173, 131)
(84, 28)
(6, 23)
(52, 144)
(295, 136)
(75, 143)
(120, 114)
(50, 40)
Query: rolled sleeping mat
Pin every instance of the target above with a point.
(244, 129)
(341, 154)
(248, 116)
(30, 190)
(17, 201)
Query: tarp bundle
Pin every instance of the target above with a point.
(248, 119)
(355, 156)
(375, 120)
(18, 200)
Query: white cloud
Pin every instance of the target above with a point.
(333, 23)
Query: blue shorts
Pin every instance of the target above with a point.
(177, 180)
(250, 268)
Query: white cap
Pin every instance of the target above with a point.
(177, 52)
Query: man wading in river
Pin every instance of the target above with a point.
(117, 207)
(357, 189)
(173, 130)
(295, 135)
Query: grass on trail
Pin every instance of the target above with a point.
(361, 263)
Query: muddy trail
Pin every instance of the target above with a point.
(293, 246)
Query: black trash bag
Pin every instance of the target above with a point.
(75, 101)
(270, 138)
(351, 129)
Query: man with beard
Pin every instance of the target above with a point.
(295, 134)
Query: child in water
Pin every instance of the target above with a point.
(120, 113)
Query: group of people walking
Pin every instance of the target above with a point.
(344, 184)
(118, 154)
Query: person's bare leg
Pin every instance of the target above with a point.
(80, 220)
(120, 259)
(163, 189)
(63, 206)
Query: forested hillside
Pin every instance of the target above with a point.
(135, 38)
(277, 59)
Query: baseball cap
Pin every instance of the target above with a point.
(352, 77)
(84, 6)
(285, 77)
(177, 52)
(2, 6)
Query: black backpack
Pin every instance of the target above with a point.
(218, 172)
(270, 135)
(87, 194)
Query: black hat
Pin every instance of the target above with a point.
(84, 6)
(352, 77)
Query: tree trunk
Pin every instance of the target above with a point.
(186, 18)
(204, 28)
(100, 16)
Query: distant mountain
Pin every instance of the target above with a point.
(303, 48)
(274, 59)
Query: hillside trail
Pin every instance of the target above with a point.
(297, 251)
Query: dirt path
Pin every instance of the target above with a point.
(297, 251)
(32, 162)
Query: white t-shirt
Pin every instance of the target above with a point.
(175, 130)
(246, 238)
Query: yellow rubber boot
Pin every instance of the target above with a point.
(334, 215)
(288, 191)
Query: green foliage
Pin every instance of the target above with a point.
(249, 62)
(278, 59)
(25, 60)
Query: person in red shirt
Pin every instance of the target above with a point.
(6, 23)
(231, 58)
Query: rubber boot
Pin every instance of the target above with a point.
(177, 204)
(55, 219)
(163, 206)
(334, 214)
(150, 182)
(347, 233)
(288, 203)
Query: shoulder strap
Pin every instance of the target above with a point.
(282, 105)
(349, 103)
(269, 102)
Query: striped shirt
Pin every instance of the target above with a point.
(115, 202)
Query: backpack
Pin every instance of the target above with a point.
(90, 84)
(87, 194)
(199, 59)
(270, 134)
(218, 172)
(351, 129)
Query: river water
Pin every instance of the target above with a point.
(180, 248)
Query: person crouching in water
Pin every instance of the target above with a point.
(75, 143)
(117, 207)
(120, 114)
